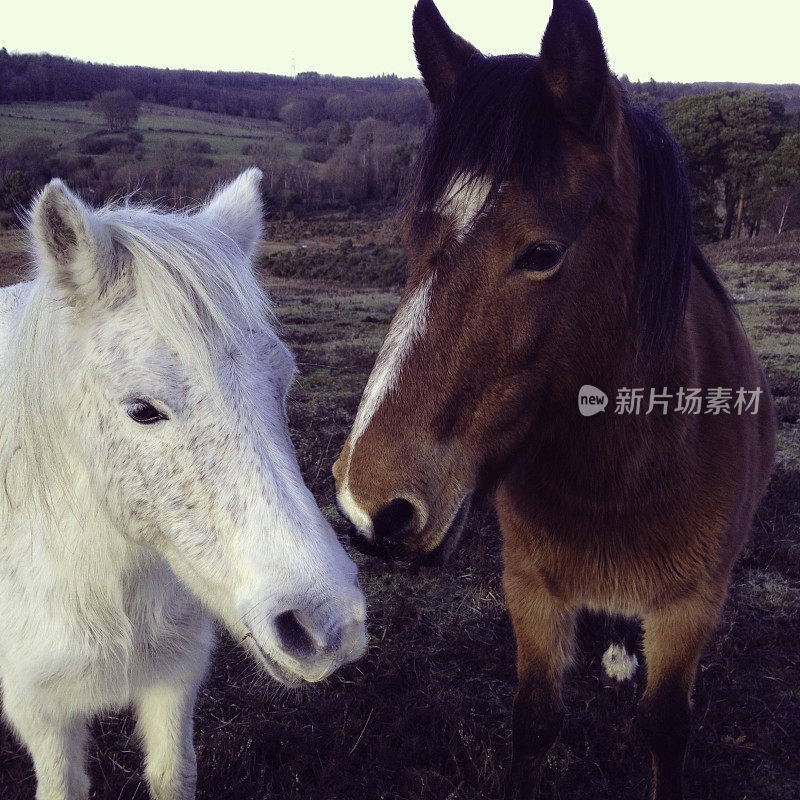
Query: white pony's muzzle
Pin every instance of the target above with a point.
(310, 640)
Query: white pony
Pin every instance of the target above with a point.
(148, 483)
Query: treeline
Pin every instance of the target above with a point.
(741, 147)
(341, 166)
(657, 93)
(46, 78)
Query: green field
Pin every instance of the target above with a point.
(426, 714)
(63, 123)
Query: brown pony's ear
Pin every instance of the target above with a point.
(441, 54)
(573, 63)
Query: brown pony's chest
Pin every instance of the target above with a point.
(628, 561)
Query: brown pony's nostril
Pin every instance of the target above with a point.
(394, 520)
(293, 636)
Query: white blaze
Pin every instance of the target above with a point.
(408, 326)
(463, 202)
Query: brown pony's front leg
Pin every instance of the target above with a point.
(673, 640)
(545, 632)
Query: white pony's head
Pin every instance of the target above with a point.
(173, 411)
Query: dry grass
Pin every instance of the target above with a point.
(426, 713)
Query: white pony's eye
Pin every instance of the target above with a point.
(144, 413)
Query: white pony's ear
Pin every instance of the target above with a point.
(73, 245)
(236, 210)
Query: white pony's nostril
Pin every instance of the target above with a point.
(337, 634)
(295, 637)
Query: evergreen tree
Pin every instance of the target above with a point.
(779, 186)
(726, 138)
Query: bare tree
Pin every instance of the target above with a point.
(120, 108)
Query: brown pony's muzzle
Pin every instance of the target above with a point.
(398, 534)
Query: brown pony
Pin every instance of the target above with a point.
(551, 258)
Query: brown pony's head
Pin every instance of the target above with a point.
(529, 275)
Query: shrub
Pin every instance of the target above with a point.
(97, 144)
(16, 190)
(196, 146)
(319, 153)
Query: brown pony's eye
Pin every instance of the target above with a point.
(541, 257)
(145, 414)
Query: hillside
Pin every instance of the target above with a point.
(658, 93)
(43, 77)
(323, 142)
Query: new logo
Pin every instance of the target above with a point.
(591, 400)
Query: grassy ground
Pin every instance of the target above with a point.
(426, 713)
(337, 247)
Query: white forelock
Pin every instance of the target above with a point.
(464, 201)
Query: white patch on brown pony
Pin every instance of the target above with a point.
(409, 325)
(619, 664)
(464, 201)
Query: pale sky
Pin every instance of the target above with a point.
(669, 40)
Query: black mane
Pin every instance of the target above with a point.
(499, 122)
(666, 246)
